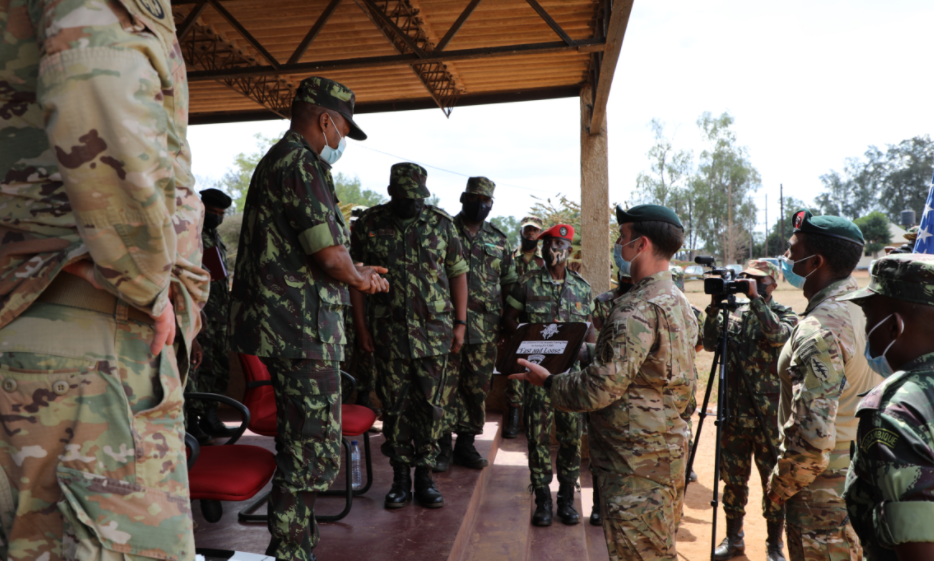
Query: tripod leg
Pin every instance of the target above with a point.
(701, 415)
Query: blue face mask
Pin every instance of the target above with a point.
(879, 364)
(788, 270)
(621, 263)
(328, 154)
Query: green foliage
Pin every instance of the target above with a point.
(435, 201)
(236, 181)
(875, 228)
(349, 191)
(510, 226)
(665, 183)
(774, 244)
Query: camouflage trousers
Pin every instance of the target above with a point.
(411, 393)
(817, 523)
(539, 415)
(640, 517)
(742, 441)
(515, 391)
(213, 375)
(92, 449)
(308, 450)
(361, 365)
(466, 387)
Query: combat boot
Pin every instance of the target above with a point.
(595, 518)
(194, 428)
(466, 454)
(401, 491)
(213, 426)
(426, 494)
(732, 545)
(542, 515)
(443, 461)
(773, 543)
(566, 511)
(511, 426)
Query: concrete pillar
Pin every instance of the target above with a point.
(595, 199)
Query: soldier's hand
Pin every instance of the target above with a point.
(197, 354)
(164, 329)
(84, 269)
(752, 291)
(536, 374)
(458, 341)
(373, 283)
(365, 340)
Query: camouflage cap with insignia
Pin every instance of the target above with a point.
(533, 220)
(761, 268)
(906, 277)
(827, 225)
(333, 96)
(409, 180)
(480, 185)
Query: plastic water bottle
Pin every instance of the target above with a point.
(357, 474)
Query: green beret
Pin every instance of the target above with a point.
(213, 197)
(828, 225)
(333, 96)
(906, 277)
(409, 180)
(480, 185)
(642, 213)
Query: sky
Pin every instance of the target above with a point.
(808, 84)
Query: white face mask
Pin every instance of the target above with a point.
(622, 246)
(328, 154)
(880, 364)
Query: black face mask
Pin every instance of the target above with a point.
(528, 245)
(476, 211)
(212, 221)
(762, 289)
(405, 208)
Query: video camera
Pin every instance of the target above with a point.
(725, 281)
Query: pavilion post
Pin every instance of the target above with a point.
(595, 198)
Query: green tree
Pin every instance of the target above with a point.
(875, 228)
(509, 225)
(774, 244)
(236, 180)
(349, 191)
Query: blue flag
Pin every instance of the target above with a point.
(925, 242)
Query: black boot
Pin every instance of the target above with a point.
(443, 461)
(194, 428)
(511, 424)
(213, 426)
(595, 518)
(732, 545)
(773, 543)
(425, 492)
(542, 516)
(566, 511)
(401, 491)
(466, 454)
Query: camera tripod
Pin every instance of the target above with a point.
(726, 305)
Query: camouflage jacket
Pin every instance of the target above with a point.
(491, 268)
(540, 300)
(603, 305)
(415, 319)
(109, 180)
(640, 382)
(822, 370)
(283, 305)
(524, 266)
(217, 309)
(757, 332)
(890, 486)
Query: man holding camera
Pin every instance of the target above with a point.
(757, 331)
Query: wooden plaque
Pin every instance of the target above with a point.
(554, 346)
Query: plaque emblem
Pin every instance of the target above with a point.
(550, 331)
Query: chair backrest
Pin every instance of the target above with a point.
(260, 400)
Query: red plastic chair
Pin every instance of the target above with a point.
(230, 472)
(355, 421)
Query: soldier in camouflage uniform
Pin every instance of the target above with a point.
(891, 477)
(634, 391)
(414, 327)
(823, 372)
(100, 271)
(758, 330)
(492, 273)
(527, 258)
(546, 295)
(288, 301)
(359, 363)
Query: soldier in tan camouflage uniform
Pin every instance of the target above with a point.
(634, 391)
(288, 301)
(100, 267)
(527, 258)
(823, 372)
(492, 273)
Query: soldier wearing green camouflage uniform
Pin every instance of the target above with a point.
(414, 327)
(492, 273)
(823, 372)
(758, 330)
(890, 484)
(639, 382)
(101, 267)
(288, 301)
(358, 362)
(527, 258)
(546, 295)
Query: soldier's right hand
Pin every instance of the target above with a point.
(365, 340)
(372, 282)
(164, 329)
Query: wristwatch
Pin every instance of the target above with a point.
(460, 323)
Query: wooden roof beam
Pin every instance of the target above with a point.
(183, 30)
(456, 26)
(244, 33)
(619, 20)
(550, 21)
(315, 29)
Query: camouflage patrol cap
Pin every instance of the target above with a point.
(827, 225)
(911, 234)
(409, 180)
(480, 185)
(906, 277)
(213, 197)
(761, 268)
(533, 220)
(333, 96)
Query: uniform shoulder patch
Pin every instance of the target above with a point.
(579, 277)
(881, 436)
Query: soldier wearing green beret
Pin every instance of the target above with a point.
(822, 372)
(413, 328)
(492, 272)
(288, 301)
(890, 484)
(643, 358)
